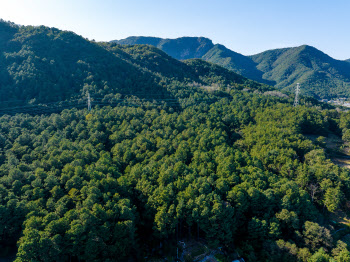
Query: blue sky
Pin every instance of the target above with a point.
(245, 26)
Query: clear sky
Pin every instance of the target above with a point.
(245, 26)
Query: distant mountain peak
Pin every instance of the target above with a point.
(320, 74)
(180, 48)
(136, 39)
(139, 40)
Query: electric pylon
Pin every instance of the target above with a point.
(297, 91)
(89, 102)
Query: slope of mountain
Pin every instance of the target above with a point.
(47, 64)
(319, 74)
(42, 65)
(139, 40)
(180, 48)
(230, 170)
(236, 62)
(200, 47)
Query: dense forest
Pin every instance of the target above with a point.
(45, 69)
(114, 183)
(320, 75)
(171, 152)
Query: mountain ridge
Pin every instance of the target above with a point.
(320, 75)
(168, 150)
(41, 65)
(195, 47)
(304, 64)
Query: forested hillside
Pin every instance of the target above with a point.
(115, 183)
(180, 48)
(41, 65)
(236, 62)
(320, 75)
(186, 151)
(46, 64)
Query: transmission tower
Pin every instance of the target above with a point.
(297, 91)
(89, 102)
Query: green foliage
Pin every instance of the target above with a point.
(316, 236)
(320, 256)
(333, 199)
(229, 167)
(91, 187)
(180, 48)
(46, 70)
(319, 74)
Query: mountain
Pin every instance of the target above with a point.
(319, 75)
(180, 48)
(184, 155)
(40, 65)
(47, 65)
(201, 47)
(236, 62)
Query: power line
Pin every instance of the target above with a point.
(53, 107)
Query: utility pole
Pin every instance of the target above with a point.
(297, 91)
(89, 102)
